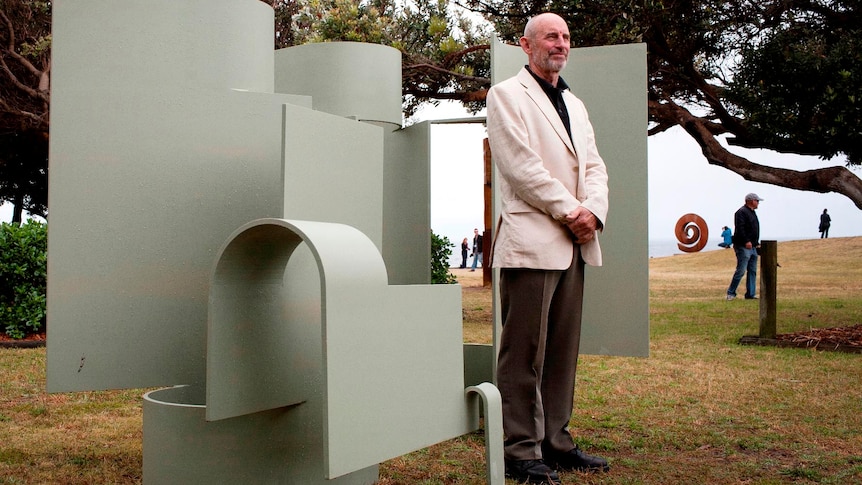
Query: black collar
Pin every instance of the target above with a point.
(549, 88)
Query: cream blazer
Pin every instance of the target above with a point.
(543, 175)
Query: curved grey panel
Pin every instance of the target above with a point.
(350, 79)
(268, 448)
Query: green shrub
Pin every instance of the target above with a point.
(440, 252)
(23, 270)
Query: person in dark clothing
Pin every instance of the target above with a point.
(477, 249)
(825, 222)
(746, 240)
(464, 248)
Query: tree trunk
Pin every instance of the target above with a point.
(17, 209)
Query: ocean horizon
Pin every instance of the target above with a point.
(658, 248)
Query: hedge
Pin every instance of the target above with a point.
(23, 280)
(440, 252)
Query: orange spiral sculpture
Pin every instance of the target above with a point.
(692, 233)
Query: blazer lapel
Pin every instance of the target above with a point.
(576, 121)
(538, 95)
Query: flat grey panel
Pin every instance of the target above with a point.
(351, 79)
(151, 168)
(478, 364)
(407, 205)
(333, 171)
(612, 83)
(387, 361)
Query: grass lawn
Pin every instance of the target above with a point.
(702, 409)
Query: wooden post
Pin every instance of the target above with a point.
(768, 285)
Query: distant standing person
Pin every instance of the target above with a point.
(746, 240)
(726, 237)
(477, 248)
(464, 248)
(825, 222)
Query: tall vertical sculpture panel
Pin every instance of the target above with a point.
(162, 144)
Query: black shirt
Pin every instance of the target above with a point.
(555, 94)
(747, 227)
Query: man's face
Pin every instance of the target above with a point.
(753, 203)
(548, 48)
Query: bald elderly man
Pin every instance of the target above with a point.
(554, 188)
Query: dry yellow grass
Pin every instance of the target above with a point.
(808, 268)
(476, 306)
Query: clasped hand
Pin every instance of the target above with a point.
(583, 224)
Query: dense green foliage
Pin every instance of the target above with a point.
(441, 249)
(23, 269)
(802, 87)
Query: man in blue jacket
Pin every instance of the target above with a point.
(746, 240)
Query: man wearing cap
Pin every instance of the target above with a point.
(746, 240)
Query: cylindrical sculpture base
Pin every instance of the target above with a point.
(181, 447)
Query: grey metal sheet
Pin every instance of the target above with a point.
(350, 79)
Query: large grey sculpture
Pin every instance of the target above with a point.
(251, 229)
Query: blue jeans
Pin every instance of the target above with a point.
(476, 258)
(746, 263)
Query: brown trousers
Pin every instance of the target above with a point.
(541, 314)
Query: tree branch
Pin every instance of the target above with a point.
(10, 51)
(465, 96)
(18, 84)
(823, 180)
(39, 120)
(10, 28)
(454, 57)
(431, 67)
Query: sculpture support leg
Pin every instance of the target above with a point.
(493, 412)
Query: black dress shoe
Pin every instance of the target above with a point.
(531, 471)
(575, 459)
